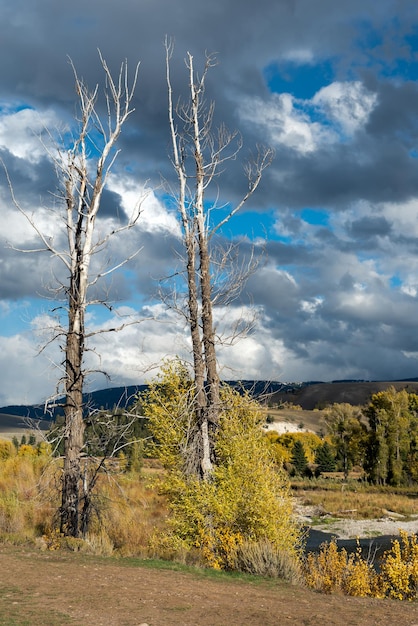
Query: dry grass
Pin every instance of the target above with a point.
(28, 495)
(311, 420)
(359, 501)
(263, 559)
(131, 511)
(127, 508)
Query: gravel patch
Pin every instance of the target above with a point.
(351, 529)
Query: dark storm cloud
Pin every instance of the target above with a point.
(36, 40)
(368, 227)
(20, 279)
(377, 171)
(395, 113)
(29, 180)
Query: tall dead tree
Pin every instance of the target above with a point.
(199, 154)
(84, 185)
(82, 170)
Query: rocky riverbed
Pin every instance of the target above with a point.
(374, 535)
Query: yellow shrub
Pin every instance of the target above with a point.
(325, 571)
(310, 441)
(26, 450)
(44, 449)
(399, 569)
(360, 578)
(247, 498)
(7, 449)
(333, 570)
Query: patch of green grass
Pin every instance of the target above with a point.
(372, 533)
(324, 521)
(200, 572)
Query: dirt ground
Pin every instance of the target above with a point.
(53, 589)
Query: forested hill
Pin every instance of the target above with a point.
(318, 395)
(122, 397)
(104, 398)
(309, 395)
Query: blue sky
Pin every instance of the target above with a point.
(332, 87)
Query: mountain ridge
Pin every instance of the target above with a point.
(309, 395)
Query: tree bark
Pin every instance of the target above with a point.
(206, 153)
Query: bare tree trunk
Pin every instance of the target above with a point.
(83, 182)
(206, 153)
(212, 376)
(74, 384)
(83, 197)
(210, 419)
(198, 461)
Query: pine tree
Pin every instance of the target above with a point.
(299, 460)
(324, 458)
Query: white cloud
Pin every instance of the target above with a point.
(310, 306)
(285, 123)
(20, 132)
(348, 104)
(289, 121)
(403, 216)
(26, 378)
(154, 216)
(409, 290)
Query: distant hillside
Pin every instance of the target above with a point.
(123, 396)
(308, 395)
(104, 398)
(11, 425)
(318, 395)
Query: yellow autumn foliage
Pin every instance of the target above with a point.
(399, 569)
(334, 570)
(284, 444)
(247, 498)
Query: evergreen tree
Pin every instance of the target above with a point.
(299, 460)
(324, 458)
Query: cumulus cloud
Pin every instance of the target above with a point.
(154, 216)
(285, 123)
(342, 108)
(347, 104)
(335, 297)
(24, 133)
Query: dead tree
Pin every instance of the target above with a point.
(82, 170)
(199, 154)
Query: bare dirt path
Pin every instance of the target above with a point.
(54, 589)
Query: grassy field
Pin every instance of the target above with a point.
(311, 420)
(358, 500)
(16, 426)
